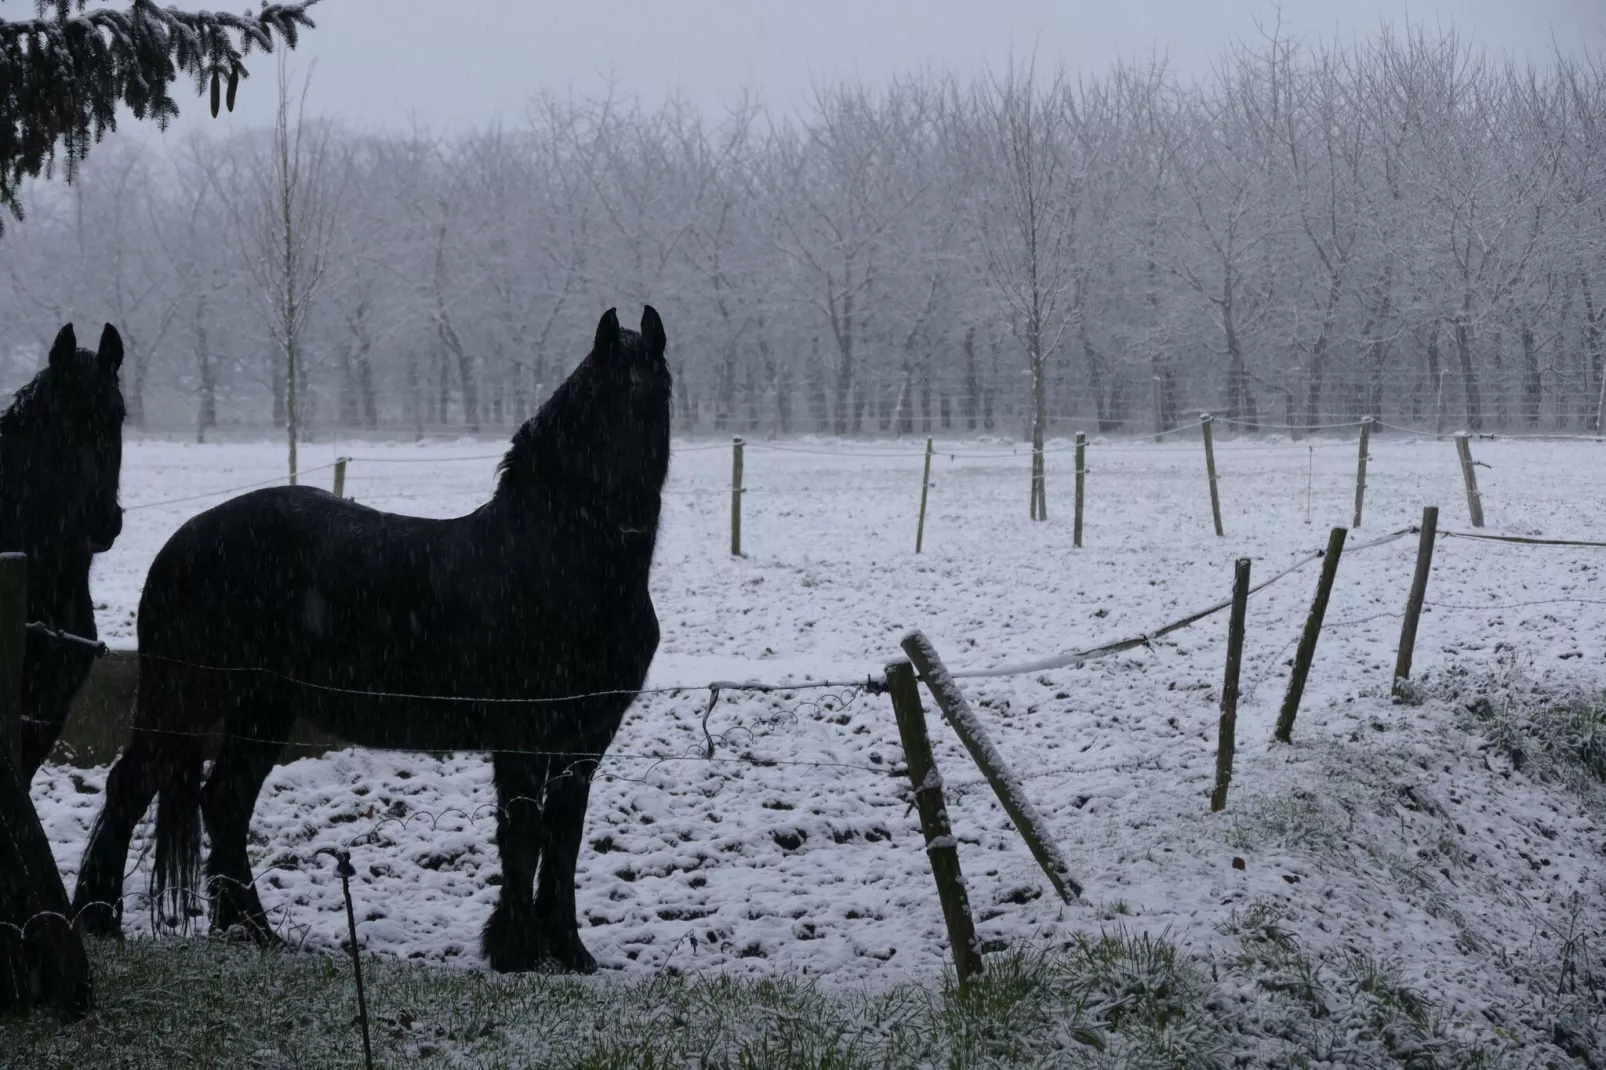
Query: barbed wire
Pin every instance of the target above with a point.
(1521, 539)
(1061, 661)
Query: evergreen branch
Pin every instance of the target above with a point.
(63, 74)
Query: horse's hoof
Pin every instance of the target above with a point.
(568, 954)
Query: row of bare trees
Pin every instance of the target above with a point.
(1399, 227)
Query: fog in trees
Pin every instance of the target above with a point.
(1401, 227)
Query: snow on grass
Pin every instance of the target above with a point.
(1401, 835)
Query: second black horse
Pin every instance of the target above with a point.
(525, 629)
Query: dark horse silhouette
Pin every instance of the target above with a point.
(61, 458)
(539, 594)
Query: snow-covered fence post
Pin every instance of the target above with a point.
(925, 489)
(736, 497)
(1081, 480)
(340, 476)
(1210, 470)
(1360, 469)
(1227, 735)
(1419, 591)
(1463, 447)
(957, 712)
(1313, 628)
(13, 637)
(941, 847)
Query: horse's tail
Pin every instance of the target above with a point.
(176, 876)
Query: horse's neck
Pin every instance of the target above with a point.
(625, 530)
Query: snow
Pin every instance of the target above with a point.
(1386, 829)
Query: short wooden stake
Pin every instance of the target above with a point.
(13, 641)
(1360, 469)
(736, 497)
(1419, 591)
(1227, 735)
(1081, 482)
(340, 476)
(941, 847)
(1210, 469)
(1307, 640)
(968, 728)
(1463, 447)
(925, 489)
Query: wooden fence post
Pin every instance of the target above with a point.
(1039, 486)
(340, 476)
(1210, 469)
(941, 847)
(925, 489)
(1463, 447)
(1081, 482)
(13, 639)
(968, 728)
(1419, 590)
(1360, 469)
(736, 496)
(1307, 640)
(1227, 734)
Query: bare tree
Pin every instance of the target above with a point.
(1029, 191)
(284, 218)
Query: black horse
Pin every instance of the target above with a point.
(61, 458)
(524, 629)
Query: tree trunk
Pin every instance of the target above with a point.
(206, 373)
(1469, 375)
(1596, 352)
(1532, 385)
(44, 964)
(971, 404)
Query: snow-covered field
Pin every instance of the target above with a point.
(1387, 829)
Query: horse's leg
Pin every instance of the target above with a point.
(513, 938)
(140, 771)
(227, 800)
(563, 813)
(51, 677)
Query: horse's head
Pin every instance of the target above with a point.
(604, 433)
(61, 445)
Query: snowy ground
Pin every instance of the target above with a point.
(1386, 829)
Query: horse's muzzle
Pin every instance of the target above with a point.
(103, 534)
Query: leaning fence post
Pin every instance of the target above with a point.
(1469, 476)
(1313, 628)
(1419, 590)
(1081, 479)
(340, 476)
(941, 847)
(736, 496)
(13, 638)
(925, 489)
(1227, 734)
(1005, 785)
(1210, 469)
(1360, 469)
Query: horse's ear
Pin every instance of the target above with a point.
(608, 332)
(110, 357)
(652, 332)
(64, 348)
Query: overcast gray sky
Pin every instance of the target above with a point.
(459, 63)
